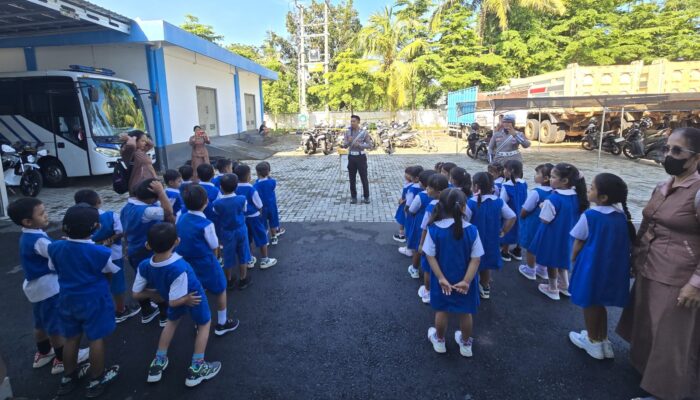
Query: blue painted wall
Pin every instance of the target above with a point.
(239, 117)
(30, 58)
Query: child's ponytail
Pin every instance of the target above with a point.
(450, 206)
(577, 181)
(630, 226)
(484, 182)
(462, 180)
(615, 189)
(515, 169)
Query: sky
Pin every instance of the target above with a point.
(241, 21)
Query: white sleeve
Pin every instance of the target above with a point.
(477, 248)
(468, 213)
(41, 247)
(153, 214)
(139, 283)
(245, 205)
(531, 201)
(178, 289)
(548, 212)
(415, 205)
(110, 268)
(210, 236)
(506, 212)
(429, 246)
(118, 228)
(426, 219)
(580, 230)
(504, 195)
(409, 198)
(256, 200)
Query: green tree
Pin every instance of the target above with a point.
(245, 50)
(193, 25)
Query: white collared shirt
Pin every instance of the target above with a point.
(178, 288)
(533, 197)
(548, 212)
(429, 249)
(45, 286)
(580, 230)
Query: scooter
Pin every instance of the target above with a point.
(611, 142)
(308, 142)
(325, 141)
(472, 138)
(21, 168)
(640, 145)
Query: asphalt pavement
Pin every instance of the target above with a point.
(338, 318)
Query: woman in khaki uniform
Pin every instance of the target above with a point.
(662, 320)
(199, 142)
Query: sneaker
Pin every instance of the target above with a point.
(252, 262)
(465, 348)
(229, 326)
(70, 383)
(516, 253)
(541, 272)
(438, 345)
(162, 321)
(58, 368)
(243, 283)
(426, 298)
(203, 372)
(544, 289)
(149, 314)
(527, 272)
(231, 285)
(365, 200)
(413, 272)
(406, 251)
(400, 238)
(274, 240)
(129, 311)
(83, 355)
(421, 291)
(608, 351)
(485, 292)
(505, 256)
(582, 341)
(96, 387)
(280, 231)
(42, 359)
(266, 263)
(353, 201)
(155, 371)
(565, 292)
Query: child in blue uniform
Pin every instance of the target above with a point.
(513, 192)
(495, 169)
(436, 184)
(149, 206)
(205, 173)
(40, 282)
(265, 185)
(175, 282)
(446, 169)
(493, 219)
(453, 249)
(223, 166)
(198, 245)
(552, 244)
(186, 174)
(110, 234)
(411, 193)
(601, 255)
(233, 233)
(530, 220)
(416, 211)
(257, 233)
(173, 181)
(85, 302)
(400, 215)
(460, 179)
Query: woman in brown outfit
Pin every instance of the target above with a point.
(135, 153)
(200, 155)
(662, 320)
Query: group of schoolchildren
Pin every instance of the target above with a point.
(183, 240)
(458, 229)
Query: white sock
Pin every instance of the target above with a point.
(221, 316)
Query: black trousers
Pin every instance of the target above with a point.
(358, 164)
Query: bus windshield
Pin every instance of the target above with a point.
(118, 109)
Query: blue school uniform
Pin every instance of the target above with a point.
(266, 189)
(110, 225)
(453, 257)
(256, 228)
(233, 233)
(175, 199)
(414, 234)
(529, 224)
(162, 275)
(400, 215)
(192, 229)
(40, 282)
(412, 192)
(217, 181)
(601, 273)
(213, 194)
(424, 227)
(85, 302)
(488, 219)
(497, 185)
(517, 193)
(552, 243)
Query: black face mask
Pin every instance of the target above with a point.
(674, 166)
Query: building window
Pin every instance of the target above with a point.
(606, 79)
(695, 75)
(677, 75)
(588, 79)
(625, 78)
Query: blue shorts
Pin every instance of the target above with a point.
(92, 314)
(209, 273)
(270, 216)
(46, 317)
(200, 313)
(118, 284)
(236, 247)
(256, 231)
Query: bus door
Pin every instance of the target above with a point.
(71, 140)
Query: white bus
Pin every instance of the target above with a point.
(77, 115)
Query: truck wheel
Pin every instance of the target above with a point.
(561, 135)
(532, 129)
(548, 132)
(53, 173)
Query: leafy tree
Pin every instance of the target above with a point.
(245, 50)
(193, 25)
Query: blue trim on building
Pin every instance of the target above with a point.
(30, 58)
(262, 102)
(158, 84)
(237, 89)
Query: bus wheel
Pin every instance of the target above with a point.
(54, 173)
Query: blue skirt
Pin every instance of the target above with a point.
(400, 215)
(552, 249)
(513, 234)
(456, 302)
(528, 228)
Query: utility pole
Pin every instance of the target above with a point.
(302, 63)
(326, 56)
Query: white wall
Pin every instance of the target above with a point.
(12, 60)
(249, 84)
(185, 71)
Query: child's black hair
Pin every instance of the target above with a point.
(462, 180)
(484, 182)
(80, 221)
(447, 167)
(577, 181)
(22, 208)
(229, 183)
(223, 163)
(424, 176)
(514, 168)
(186, 172)
(496, 167)
(438, 182)
(438, 166)
(205, 172)
(414, 171)
(143, 190)
(262, 169)
(546, 171)
(450, 206)
(615, 188)
(195, 197)
(171, 175)
(87, 196)
(243, 173)
(162, 237)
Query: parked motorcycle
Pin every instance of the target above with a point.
(308, 142)
(611, 143)
(325, 140)
(472, 138)
(640, 145)
(21, 168)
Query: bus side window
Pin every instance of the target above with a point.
(66, 114)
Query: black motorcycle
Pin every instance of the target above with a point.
(478, 147)
(611, 142)
(325, 140)
(472, 138)
(639, 144)
(309, 142)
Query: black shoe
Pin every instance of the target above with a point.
(229, 326)
(148, 314)
(505, 256)
(129, 311)
(231, 285)
(243, 283)
(96, 387)
(517, 253)
(69, 383)
(365, 200)
(400, 238)
(353, 201)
